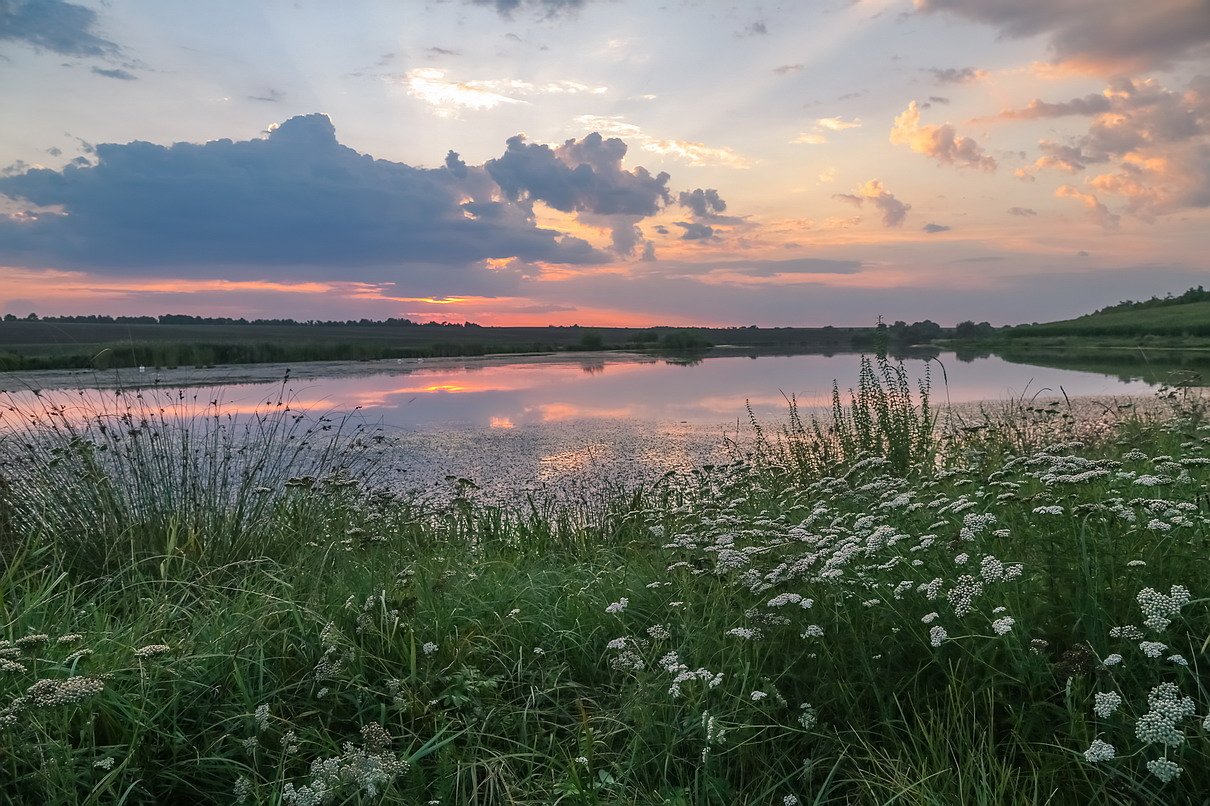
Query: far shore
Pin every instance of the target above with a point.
(235, 374)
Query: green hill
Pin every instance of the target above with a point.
(1182, 319)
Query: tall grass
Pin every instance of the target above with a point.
(116, 479)
(881, 418)
(864, 629)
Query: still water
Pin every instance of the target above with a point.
(503, 394)
(568, 421)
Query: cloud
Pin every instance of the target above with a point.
(547, 8)
(786, 69)
(1022, 211)
(816, 137)
(838, 124)
(54, 25)
(809, 138)
(957, 75)
(940, 142)
(270, 96)
(893, 211)
(680, 269)
(697, 153)
(117, 73)
(580, 175)
(1097, 211)
(1106, 37)
(691, 153)
(938, 99)
(695, 231)
(448, 97)
(757, 28)
(935, 228)
(705, 203)
(1037, 108)
(1157, 141)
(297, 202)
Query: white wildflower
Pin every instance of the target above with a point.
(1163, 769)
(1106, 703)
(1099, 751)
(937, 635)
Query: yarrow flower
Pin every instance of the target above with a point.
(1152, 649)
(1003, 626)
(806, 716)
(1106, 703)
(937, 635)
(1160, 725)
(1159, 608)
(151, 650)
(1099, 751)
(1163, 769)
(428, 648)
(618, 606)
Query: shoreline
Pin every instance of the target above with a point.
(250, 374)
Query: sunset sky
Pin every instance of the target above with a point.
(603, 161)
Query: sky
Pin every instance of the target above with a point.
(603, 162)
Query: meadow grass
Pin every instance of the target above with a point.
(879, 608)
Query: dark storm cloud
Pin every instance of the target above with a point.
(580, 175)
(695, 231)
(297, 202)
(54, 25)
(117, 73)
(1105, 34)
(935, 228)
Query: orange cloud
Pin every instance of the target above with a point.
(1097, 211)
(940, 142)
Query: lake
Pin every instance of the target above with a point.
(568, 421)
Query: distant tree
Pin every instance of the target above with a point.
(8, 317)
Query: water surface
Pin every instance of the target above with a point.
(573, 420)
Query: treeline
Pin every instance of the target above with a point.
(170, 355)
(1197, 294)
(928, 330)
(186, 319)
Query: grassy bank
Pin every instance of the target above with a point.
(878, 608)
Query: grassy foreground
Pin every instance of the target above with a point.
(877, 608)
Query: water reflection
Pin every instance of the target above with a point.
(503, 395)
